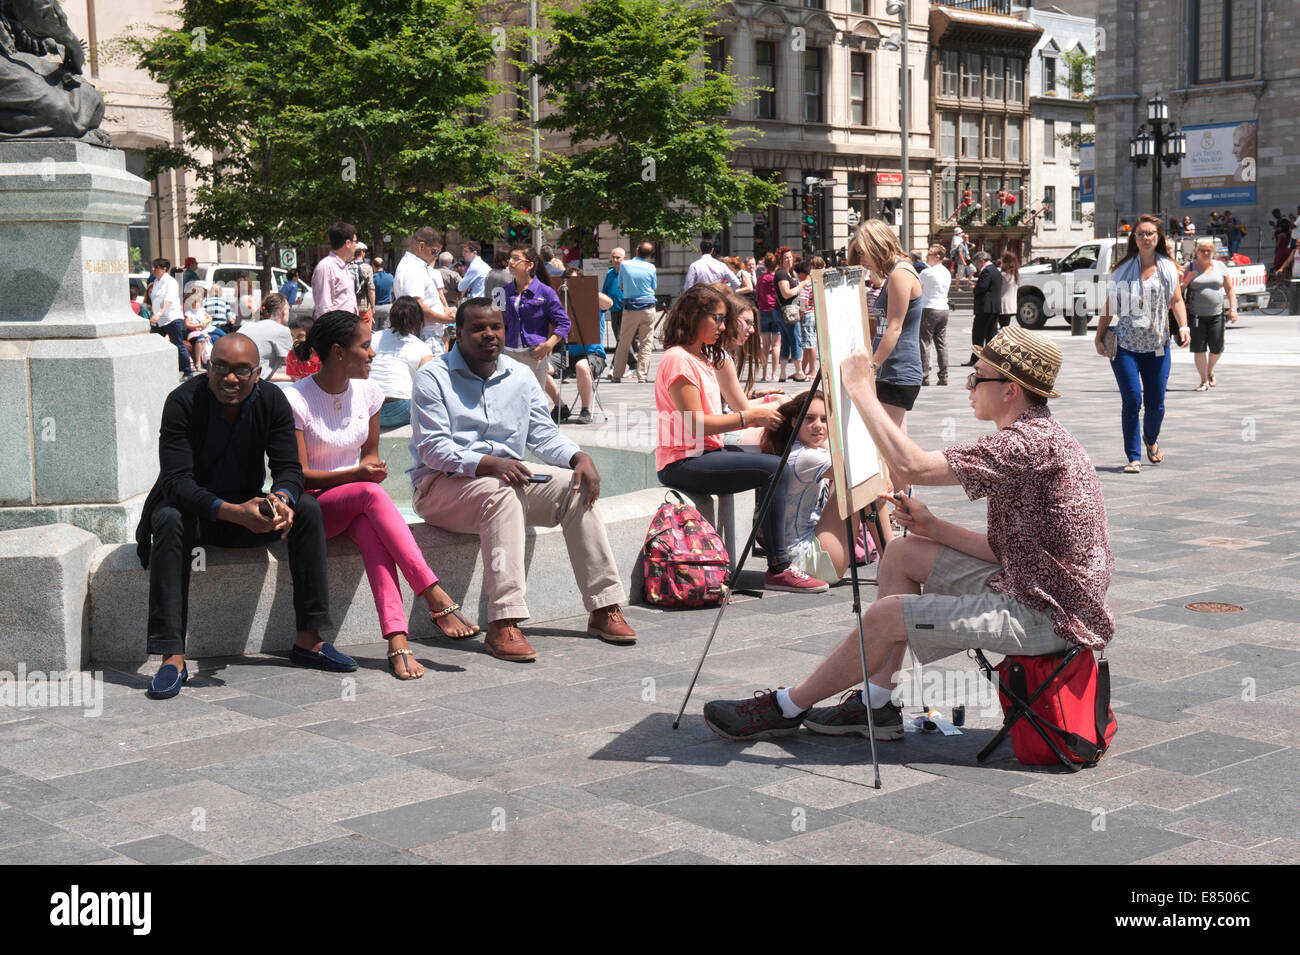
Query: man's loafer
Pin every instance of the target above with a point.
(610, 625)
(326, 658)
(508, 643)
(167, 683)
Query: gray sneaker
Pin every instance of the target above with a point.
(849, 716)
(750, 719)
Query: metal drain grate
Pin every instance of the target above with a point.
(1211, 607)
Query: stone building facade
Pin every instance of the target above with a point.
(981, 118)
(1227, 63)
(1058, 108)
(833, 112)
(138, 117)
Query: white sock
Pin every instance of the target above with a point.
(788, 709)
(877, 696)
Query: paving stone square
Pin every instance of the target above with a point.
(574, 759)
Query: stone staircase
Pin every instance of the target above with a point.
(960, 301)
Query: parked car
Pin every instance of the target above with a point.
(230, 275)
(1076, 284)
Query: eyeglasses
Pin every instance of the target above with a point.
(242, 372)
(1147, 235)
(973, 381)
(718, 317)
(518, 258)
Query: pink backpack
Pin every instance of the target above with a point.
(684, 561)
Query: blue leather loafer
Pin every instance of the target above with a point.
(166, 683)
(326, 658)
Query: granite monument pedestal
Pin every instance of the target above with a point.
(81, 380)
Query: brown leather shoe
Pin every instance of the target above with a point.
(609, 624)
(508, 643)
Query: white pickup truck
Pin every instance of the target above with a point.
(1076, 284)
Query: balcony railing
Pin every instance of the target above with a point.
(981, 6)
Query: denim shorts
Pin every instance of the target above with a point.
(808, 330)
(769, 323)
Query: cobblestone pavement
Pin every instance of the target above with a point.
(573, 759)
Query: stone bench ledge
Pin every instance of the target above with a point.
(242, 601)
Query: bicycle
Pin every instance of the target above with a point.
(1277, 302)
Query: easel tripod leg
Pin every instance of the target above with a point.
(862, 649)
(734, 572)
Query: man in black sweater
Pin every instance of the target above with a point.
(216, 429)
(988, 301)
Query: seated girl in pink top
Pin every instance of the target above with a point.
(690, 454)
(336, 412)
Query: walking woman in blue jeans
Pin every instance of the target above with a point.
(1144, 288)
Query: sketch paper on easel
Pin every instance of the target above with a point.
(840, 305)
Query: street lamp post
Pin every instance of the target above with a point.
(1158, 141)
(898, 8)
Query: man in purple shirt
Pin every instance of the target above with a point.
(332, 287)
(536, 322)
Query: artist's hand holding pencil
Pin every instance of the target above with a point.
(912, 515)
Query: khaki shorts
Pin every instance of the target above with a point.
(957, 611)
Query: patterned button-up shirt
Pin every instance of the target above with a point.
(1046, 522)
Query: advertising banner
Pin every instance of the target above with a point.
(1219, 168)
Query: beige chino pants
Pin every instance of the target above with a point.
(636, 321)
(499, 514)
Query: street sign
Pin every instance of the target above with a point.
(889, 178)
(288, 258)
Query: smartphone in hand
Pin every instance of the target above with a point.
(538, 478)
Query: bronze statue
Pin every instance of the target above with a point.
(42, 97)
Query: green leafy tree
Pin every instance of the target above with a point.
(1082, 71)
(645, 118)
(369, 111)
(402, 117)
(226, 88)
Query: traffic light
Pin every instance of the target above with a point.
(519, 233)
(811, 219)
(810, 210)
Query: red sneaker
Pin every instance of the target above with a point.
(795, 581)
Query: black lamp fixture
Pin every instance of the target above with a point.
(1157, 139)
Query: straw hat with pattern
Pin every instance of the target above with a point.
(1027, 358)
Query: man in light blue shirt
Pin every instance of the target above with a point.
(476, 270)
(638, 279)
(474, 411)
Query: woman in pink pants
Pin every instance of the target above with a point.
(336, 413)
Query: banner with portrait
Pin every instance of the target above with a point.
(1087, 172)
(1220, 166)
